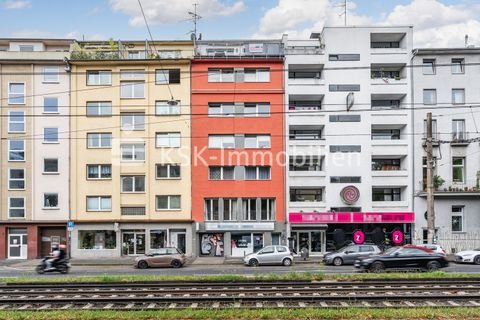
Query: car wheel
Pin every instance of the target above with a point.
(63, 269)
(287, 262)
(377, 267)
(253, 262)
(476, 260)
(176, 264)
(142, 264)
(433, 266)
(40, 269)
(337, 261)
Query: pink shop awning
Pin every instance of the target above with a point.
(351, 217)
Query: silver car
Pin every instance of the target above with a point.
(270, 255)
(348, 254)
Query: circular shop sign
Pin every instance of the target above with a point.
(350, 194)
(358, 237)
(397, 237)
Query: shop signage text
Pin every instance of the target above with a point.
(220, 226)
(351, 217)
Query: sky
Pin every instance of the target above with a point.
(437, 23)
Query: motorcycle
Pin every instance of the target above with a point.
(62, 266)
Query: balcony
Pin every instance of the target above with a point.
(305, 74)
(459, 139)
(449, 188)
(388, 74)
(388, 43)
(34, 55)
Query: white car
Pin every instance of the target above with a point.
(435, 248)
(469, 256)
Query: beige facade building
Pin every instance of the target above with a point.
(34, 129)
(130, 181)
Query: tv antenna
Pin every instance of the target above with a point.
(195, 18)
(344, 13)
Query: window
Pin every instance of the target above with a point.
(429, 96)
(51, 74)
(50, 135)
(305, 195)
(16, 207)
(132, 121)
(305, 105)
(384, 44)
(99, 171)
(457, 218)
(168, 171)
(16, 179)
(267, 209)
(385, 134)
(97, 239)
(221, 141)
(100, 77)
(132, 211)
(167, 108)
(458, 130)
(385, 104)
(99, 108)
(168, 202)
(304, 74)
(221, 173)
(170, 76)
(257, 173)
(99, 140)
(458, 170)
(221, 109)
(50, 104)
(305, 134)
(344, 87)
(16, 93)
(305, 163)
(168, 139)
(50, 200)
(257, 141)
(132, 74)
(345, 118)
(256, 75)
(434, 129)
(99, 203)
(250, 209)
(345, 179)
(16, 121)
(132, 89)
(345, 148)
(220, 75)
(458, 65)
(458, 96)
(212, 209)
(16, 150)
(25, 48)
(136, 55)
(133, 183)
(429, 66)
(158, 239)
(386, 194)
(344, 57)
(50, 165)
(386, 164)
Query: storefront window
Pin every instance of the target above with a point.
(242, 244)
(97, 239)
(158, 239)
(211, 244)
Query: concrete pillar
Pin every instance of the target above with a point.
(227, 244)
(32, 241)
(3, 242)
(267, 238)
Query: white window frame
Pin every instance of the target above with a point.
(220, 75)
(459, 166)
(258, 73)
(169, 202)
(166, 76)
(458, 214)
(50, 194)
(54, 74)
(174, 139)
(134, 147)
(222, 172)
(99, 75)
(429, 66)
(257, 172)
(127, 89)
(259, 139)
(100, 106)
(99, 168)
(16, 122)
(16, 95)
(44, 105)
(99, 202)
(169, 166)
(224, 112)
(100, 139)
(16, 208)
(134, 183)
(10, 179)
(50, 172)
(458, 66)
(455, 92)
(434, 92)
(172, 109)
(10, 150)
(221, 141)
(137, 121)
(257, 112)
(128, 74)
(458, 129)
(434, 129)
(45, 136)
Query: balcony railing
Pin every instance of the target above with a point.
(449, 187)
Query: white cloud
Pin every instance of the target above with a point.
(162, 11)
(17, 4)
(38, 34)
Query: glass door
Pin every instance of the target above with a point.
(17, 246)
(317, 244)
(133, 243)
(139, 243)
(303, 241)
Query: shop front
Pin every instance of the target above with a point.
(321, 232)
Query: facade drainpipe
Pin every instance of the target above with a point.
(412, 119)
(69, 205)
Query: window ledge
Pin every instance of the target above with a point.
(99, 179)
(157, 178)
(167, 210)
(46, 142)
(16, 189)
(56, 208)
(99, 211)
(51, 173)
(51, 82)
(46, 112)
(16, 132)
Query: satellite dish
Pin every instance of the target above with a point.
(350, 100)
(199, 36)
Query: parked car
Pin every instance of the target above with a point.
(468, 256)
(270, 255)
(413, 257)
(435, 248)
(348, 254)
(164, 257)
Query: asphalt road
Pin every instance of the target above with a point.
(13, 271)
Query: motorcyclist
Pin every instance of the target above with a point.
(53, 257)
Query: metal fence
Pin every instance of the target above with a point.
(452, 242)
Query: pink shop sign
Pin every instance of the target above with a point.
(351, 217)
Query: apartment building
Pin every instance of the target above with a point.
(130, 180)
(34, 129)
(445, 83)
(349, 145)
(237, 146)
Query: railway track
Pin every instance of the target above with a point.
(302, 294)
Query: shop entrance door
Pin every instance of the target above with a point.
(133, 242)
(314, 241)
(17, 245)
(178, 240)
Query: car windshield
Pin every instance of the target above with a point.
(344, 249)
(391, 251)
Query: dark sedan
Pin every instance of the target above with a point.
(406, 257)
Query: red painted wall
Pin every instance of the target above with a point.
(204, 92)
